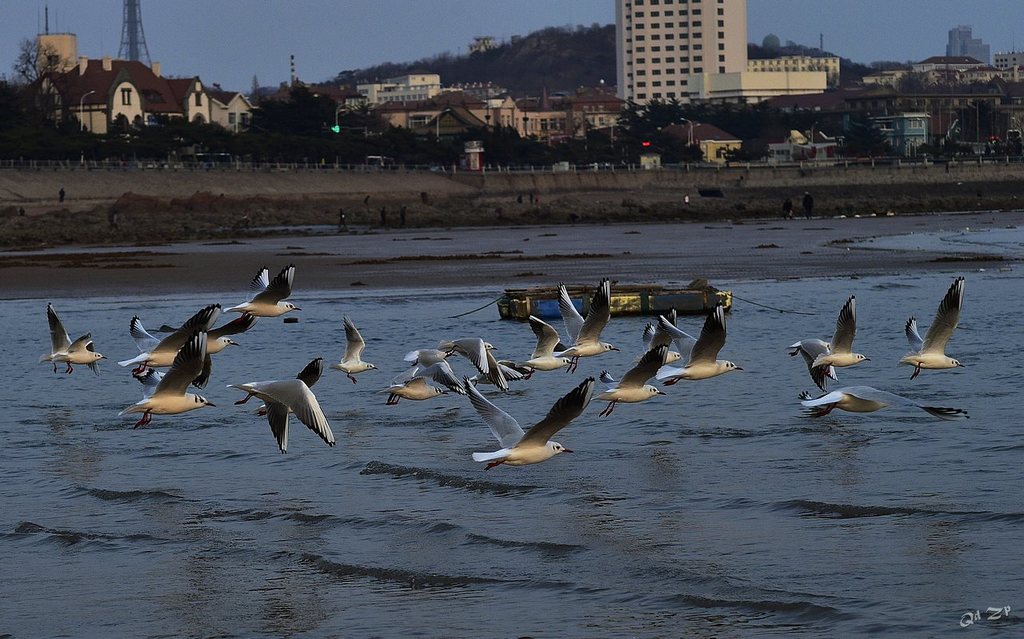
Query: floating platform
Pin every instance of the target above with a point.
(627, 299)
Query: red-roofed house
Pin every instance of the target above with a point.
(107, 94)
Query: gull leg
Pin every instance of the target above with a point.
(494, 463)
(671, 381)
(55, 367)
(392, 399)
(69, 368)
(530, 374)
(351, 378)
(247, 398)
(609, 408)
(917, 371)
(146, 417)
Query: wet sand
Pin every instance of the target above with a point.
(500, 257)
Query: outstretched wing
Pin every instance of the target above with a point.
(572, 318)
(259, 283)
(846, 327)
(598, 315)
(646, 368)
(503, 426)
(564, 411)
(354, 343)
(310, 375)
(946, 318)
(547, 337)
(202, 320)
(712, 338)
(277, 415)
(59, 339)
(145, 342)
(916, 343)
(188, 365)
(240, 324)
(279, 288)
(683, 340)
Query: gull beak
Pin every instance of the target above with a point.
(297, 308)
(959, 365)
(867, 359)
(739, 368)
(209, 404)
(105, 357)
(661, 392)
(614, 348)
(566, 450)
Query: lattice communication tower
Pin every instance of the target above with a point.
(133, 38)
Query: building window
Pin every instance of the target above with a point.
(671, 94)
(232, 118)
(655, 49)
(721, 69)
(656, 83)
(721, 23)
(126, 97)
(721, 45)
(698, 47)
(670, 83)
(641, 96)
(698, 58)
(670, 60)
(698, 70)
(696, 12)
(721, 58)
(199, 99)
(695, 24)
(657, 96)
(721, 34)
(655, 60)
(670, 47)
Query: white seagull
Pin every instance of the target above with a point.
(634, 387)
(472, 348)
(810, 349)
(266, 295)
(585, 334)
(413, 385)
(930, 352)
(664, 331)
(161, 353)
(165, 394)
(543, 357)
(80, 351)
(702, 363)
(840, 351)
(865, 399)
(284, 397)
(310, 375)
(351, 362)
(519, 448)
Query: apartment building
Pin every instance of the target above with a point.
(797, 63)
(414, 87)
(660, 43)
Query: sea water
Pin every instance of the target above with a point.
(716, 510)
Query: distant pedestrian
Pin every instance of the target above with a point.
(686, 201)
(519, 199)
(21, 211)
(61, 194)
(401, 216)
(531, 198)
(342, 222)
(787, 208)
(808, 205)
(383, 216)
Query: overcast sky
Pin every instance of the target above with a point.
(229, 41)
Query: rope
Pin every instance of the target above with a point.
(772, 308)
(494, 301)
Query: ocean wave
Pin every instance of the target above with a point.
(544, 546)
(802, 610)
(851, 511)
(441, 479)
(410, 578)
(72, 537)
(132, 495)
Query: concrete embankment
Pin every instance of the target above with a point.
(123, 206)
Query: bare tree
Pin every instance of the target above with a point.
(38, 69)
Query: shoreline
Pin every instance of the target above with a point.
(506, 257)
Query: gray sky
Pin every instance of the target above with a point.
(228, 41)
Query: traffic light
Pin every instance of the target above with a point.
(336, 129)
(645, 143)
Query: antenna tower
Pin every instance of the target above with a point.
(133, 39)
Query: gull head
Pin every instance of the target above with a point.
(370, 366)
(729, 366)
(97, 357)
(608, 347)
(226, 341)
(565, 361)
(861, 358)
(672, 356)
(956, 363)
(557, 448)
(202, 401)
(652, 390)
(290, 307)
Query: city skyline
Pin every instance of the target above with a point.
(236, 40)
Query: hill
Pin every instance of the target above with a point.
(555, 58)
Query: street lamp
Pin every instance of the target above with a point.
(81, 108)
(337, 127)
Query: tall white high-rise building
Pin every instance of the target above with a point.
(659, 43)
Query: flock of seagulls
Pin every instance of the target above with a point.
(186, 352)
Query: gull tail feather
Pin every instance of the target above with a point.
(135, 360)
(482, 457)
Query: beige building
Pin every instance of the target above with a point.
(828, 64)
(1006, 61)
(661, 43)
(415, 87)
(750, 87)
(230, 109)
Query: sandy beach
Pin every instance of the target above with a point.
(500, 257)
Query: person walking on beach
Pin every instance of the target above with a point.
(787, 209)
(401, 216)
(61, 194)
(383, 216)
(342, 223)
(808, 205)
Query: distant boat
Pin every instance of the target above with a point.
(697, 298)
